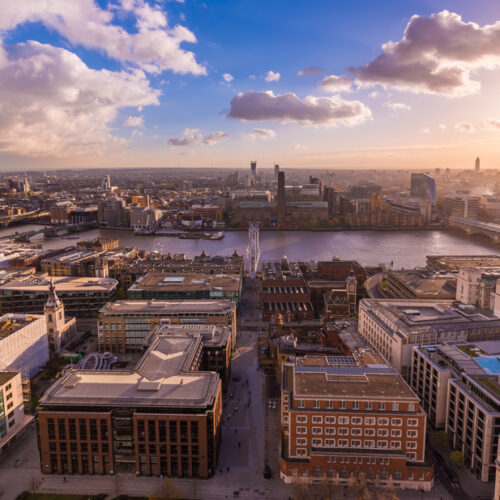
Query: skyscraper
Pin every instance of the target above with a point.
(276, 170)
(477, 165)
(423, 186)
(253, 168)
(281, 197)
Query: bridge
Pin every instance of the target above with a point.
(34, 217)
(472, 226)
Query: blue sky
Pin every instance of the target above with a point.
(141, 83)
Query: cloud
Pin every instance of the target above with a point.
(465, 127)
(261, 133)
(311, 71)
(136, 133)
(493, 124)
(271, 76)
(435, 55)
(442, 126)
(152, 46)
(193, 136)
(374, 94)
(52, 104)
(397, 106)
(255, 106)
(300, 147)
(426, 131)
(228, 77)
(134, 121)
(215, 137)
(335, 83)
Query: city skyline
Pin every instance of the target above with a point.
(133, 83)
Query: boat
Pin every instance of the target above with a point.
(190, 236)
(213, 236)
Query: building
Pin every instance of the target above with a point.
(459, 388)
(394, 326)
(77, 262)
(61, 331)
(99, 245)
(253, 169)
(59, 213)
(216, 346)
(284, 291)
(423, 186)
(144, 217)
(186, 286)
(478, 286)
(113, 212)
(460, 205)
(162, 418)
(106, 183)
(12, 417)
(125, 324)
(24, 343)
(83, 215)
(81, 296)
(420, 284)
(281, 197)
(453, 263)
(276, 170)
(477, 165)
(342, 416)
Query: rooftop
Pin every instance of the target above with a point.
(5, 376)
(61, 283)
(11, 323)
(425, 284)
(168, 307)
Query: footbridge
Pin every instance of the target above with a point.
(472, 226)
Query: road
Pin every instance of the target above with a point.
(373, 287)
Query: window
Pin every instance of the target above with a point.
(355, 405)
(300, 403)
(301, 451)
(381, 444)
(356, 432)
(317, 442)
(330, 430)
(355, 443)
(412, 456)
(330, 442)
(395, 406)
(411, 434)
(342, 405)
(301, 442)
(383, 421)
(343, 420)
(329, 404)
(343, 431)
(343, 443)
(369, 421)
(395, 433)
(11, 423)
(356, 420)
(302, 419)
(368, 405)
(395, 444)
(316, 404)
(411, 445)
(317, 420)
(330, 420)
(369, 432)
(317, 430)
(396, 421)
(412, 422)
(301, 430)
(369, 444)
(381, 406)
(382, 432)
(411, 406)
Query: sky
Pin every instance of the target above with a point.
(410, 84)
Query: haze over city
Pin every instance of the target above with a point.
(357, 84)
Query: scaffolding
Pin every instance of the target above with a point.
(253, 250)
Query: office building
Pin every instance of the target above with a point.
(83, 215)
(423, 186)
(161, 418)
(477, 164)
(394, 326)
(281, 197)
(461, 205)
(186, 286)
(144, 217)
(453, 263)
(458, 385)
(24, 343)
(113, 212)
(276, 170)
(420, 284)
(81, 296)
(125, 324)
(12, 417)
(253, 169)
(344, 416)
(480, 286)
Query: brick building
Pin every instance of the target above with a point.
(162, 418)
(342, 416)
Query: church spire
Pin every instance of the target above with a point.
(53, 300)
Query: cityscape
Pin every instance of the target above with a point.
(196, 306)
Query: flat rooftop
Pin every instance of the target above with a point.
(454, 262)
(5, 376)
(158, 282)
(11, 322)
(170, 307)
(162, 378)
(281, 270)
(39, 283)
(427, 285)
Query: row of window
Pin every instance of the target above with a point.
(356, 443)
(357, 405)
(381, 421)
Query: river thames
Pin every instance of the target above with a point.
(406, 249)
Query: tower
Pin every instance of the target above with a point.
(352, 288)
(276, 170)
(477, 164)
(253, 249)
(56, 321)
(253, 169)
(101, 268)
(281, 197)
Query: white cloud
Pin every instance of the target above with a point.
(311, 71)
(374, 94)
(228, 77)
(271, 76)
(261, 133)
(300, 147)
(397, 106)
(493, 124)
(134, 121)
(136, 133)
(256, 106)
(334, 83)
(426, 131)
(465, 127)
(52, 104)
(193, 136)
(435, 55)
(154, 46)
(442, 126)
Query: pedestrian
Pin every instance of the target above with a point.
(239, 444)
(228, 469)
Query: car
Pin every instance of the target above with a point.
(451, 475)
(235, 409)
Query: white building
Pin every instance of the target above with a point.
(144, 217)
(24, 343)
(12, 417)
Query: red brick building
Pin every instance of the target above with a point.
(342, 416)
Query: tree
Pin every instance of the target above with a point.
(442, 439)
(121, 294)
(167, 491)
(457, 457)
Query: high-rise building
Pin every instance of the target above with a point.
(281, 197)
(477, 164)
(459, 205)
(253, 168)
(276, 170)
(423, 186)
(106, 183)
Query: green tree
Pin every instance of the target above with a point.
(442, 439)
(121, 294)
(457, 457)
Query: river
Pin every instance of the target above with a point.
(406, 249)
